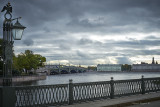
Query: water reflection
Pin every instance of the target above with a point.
(91, 77)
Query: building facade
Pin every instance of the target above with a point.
(145, 67)
(109, 67)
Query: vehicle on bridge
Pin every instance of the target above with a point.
(52, 72)
(64, 72)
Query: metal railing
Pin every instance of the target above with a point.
(42, 95)
(46, 95)
(91, 91)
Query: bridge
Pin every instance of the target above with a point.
(61, 69)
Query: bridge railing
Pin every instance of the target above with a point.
(45, 95)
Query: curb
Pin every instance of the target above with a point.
(134, 102)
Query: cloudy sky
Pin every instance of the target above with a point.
(89, 32)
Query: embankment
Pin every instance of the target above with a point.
(19, 79)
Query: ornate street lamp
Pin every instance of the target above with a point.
(10, 31)
(17, 30)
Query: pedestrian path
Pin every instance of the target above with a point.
(148, 104)
(118, 102)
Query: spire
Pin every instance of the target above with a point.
(153, 61)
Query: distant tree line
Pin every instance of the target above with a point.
(126, 67)
(92, 68)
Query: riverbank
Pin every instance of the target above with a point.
(21, 79)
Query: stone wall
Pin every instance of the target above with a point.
(26, 78)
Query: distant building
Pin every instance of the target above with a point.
(109, 67)
(153, 62)
(143, 63)
(146, 67)
(153, 67)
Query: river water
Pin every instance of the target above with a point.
(92, 77)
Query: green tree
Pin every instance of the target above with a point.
(93, 68)
(28, 60)
(126, 67)
(40, 60)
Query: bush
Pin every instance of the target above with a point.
(30, 73)
(15, 72)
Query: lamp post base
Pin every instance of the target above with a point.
(7, 81)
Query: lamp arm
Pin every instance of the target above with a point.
(16, 18)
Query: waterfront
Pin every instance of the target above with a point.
(72, 93)
(92, 77)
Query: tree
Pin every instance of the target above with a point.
(28, 61)
(93, 68)
(40, 59)
(126, 67)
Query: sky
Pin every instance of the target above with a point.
(89, 32)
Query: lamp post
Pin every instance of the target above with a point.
(10, 32)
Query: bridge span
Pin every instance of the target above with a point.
(61, 69)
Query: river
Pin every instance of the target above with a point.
(92, 77)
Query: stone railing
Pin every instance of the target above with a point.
(46, 95)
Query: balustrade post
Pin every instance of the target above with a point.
(112, 88)
(143, 85)
(70, 92)
(7, 97)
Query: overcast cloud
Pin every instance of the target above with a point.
(89, 32)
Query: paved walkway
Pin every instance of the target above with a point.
(148, 104)
(118, 102)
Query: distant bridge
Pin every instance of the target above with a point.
(61, 69)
